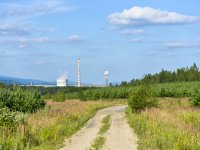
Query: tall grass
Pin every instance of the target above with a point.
(173, 126)
(47, 129)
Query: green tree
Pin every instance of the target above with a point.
(142, 99)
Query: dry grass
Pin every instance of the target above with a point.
(56, 110)
(47, 128)
(174, 125)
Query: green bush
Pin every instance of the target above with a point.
(195, 100)
(2, 85)
(59, 97)
(142, 99)
(19, 100)
(11, 119)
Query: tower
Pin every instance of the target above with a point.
(106, 75)
(79, 73)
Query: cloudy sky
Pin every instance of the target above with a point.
(43, 39)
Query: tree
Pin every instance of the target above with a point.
(142, 99)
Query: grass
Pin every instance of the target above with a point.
(173, 126)
(100, 140)
(48, 128)
(98, 143)
(105, 126)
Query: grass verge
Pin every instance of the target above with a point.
(173, 126)
(100, 140)
(48, 128)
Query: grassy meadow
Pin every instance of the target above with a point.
(174, 125)
(47, 128)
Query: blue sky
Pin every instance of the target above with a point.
(44, 39)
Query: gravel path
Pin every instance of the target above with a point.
(118, 137)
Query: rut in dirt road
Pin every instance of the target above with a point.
(118, 137)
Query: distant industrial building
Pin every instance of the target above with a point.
(62, 82)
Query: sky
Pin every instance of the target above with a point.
(42, 39)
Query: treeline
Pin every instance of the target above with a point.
(176, 89)
(84, 93)
(179, 83)
(187, 74)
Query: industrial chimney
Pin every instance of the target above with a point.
(79, 74)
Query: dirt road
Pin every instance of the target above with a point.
(118, 137)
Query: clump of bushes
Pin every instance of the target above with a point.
(11, 119)
(19, 100)
(195, 100)
(141, 99)
(59, 97)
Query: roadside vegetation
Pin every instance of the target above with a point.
(27, 121)
(175, 124)
(166, 123)
(46, 129)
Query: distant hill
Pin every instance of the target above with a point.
(20, 81)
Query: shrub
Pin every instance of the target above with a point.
(2, 85)
(11, 119)
(59, 97)
(195, 101)
(142, 99)
(19, 100)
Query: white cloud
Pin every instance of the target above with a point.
(150, 53)
(74, 38)
(13, 29)
(132, 32)
(41, 40)
(25, 42)
(136, 40)
(182, 44)
(10, 29)
(32, 8)
(44, 62)
(143, 16)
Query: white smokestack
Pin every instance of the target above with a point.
(79, 73)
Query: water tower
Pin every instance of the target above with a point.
(106, 75)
